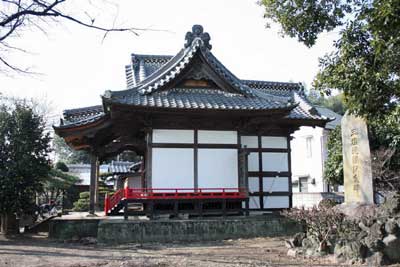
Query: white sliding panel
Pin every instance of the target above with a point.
(217, 137)
(254, 202)
(275, 184)
(275, 162)
(276, 202)
(218, 168)
(249, 141)
(274, 142)
(173, 136)
(172, 168)
(252, 162)
(254, 184)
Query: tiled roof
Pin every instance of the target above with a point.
(81, 116)
(336, 119)
(199, 98)
(142, 66)
(149, 80)
(120, 167)
(77, 114)
(239, 96)
(269, 85)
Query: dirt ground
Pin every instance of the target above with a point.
(35, 251)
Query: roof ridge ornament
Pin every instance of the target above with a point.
(198, 33)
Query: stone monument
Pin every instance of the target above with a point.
(356, 161)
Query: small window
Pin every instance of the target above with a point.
(303, 184)
(309, 146)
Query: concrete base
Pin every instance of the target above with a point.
(142, 231)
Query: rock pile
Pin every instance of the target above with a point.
(375, 237)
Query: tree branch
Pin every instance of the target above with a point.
(19, 14)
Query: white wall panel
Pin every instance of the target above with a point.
(173, 136)
(172, 168)
(217, 137)
(276, 202)
(249, 141)
(274, 141)
(254, 202)
(254, 184)
(273, 161)
(252, 162)
(218, 168)
(275, 184)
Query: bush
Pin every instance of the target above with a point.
(326, 203)
(81, 205)
(62, 166)
(324, 224)
(84, 195)
(83, 202)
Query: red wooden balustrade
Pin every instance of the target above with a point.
(172, 193)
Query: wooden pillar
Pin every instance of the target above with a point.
(176, 208)
(125, 210)
(96, 195)
(150, 210)
(290, 171)
(243, 170)
(195, 161)
(243, 175)
(223, 207)
(148, 159)
(200, 208)
(92, 186)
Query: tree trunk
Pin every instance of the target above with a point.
(9, 224)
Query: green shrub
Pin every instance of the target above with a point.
(81, 205)
(84, 195)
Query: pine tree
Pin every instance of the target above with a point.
(24, 164)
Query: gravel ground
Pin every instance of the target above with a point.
(35, 251)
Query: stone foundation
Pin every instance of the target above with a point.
(73, 228)
(129, 231)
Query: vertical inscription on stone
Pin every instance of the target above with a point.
(356, 161)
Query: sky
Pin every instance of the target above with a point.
(77, 65)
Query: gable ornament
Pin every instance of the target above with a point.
(198, 33)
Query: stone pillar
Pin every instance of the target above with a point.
(92, 186)
(356, 161)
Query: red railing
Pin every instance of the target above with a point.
(173, 193)
(183, 193)
(111, 201)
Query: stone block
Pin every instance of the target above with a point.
(392, 248)
(391, 227)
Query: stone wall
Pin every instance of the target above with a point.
(129, 231)
(67, 229)
(113, 231)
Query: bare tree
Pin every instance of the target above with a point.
(19, 15)
(386, 179)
